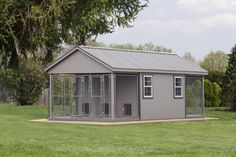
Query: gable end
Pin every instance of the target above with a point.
(77, 62)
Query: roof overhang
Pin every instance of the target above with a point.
(161, 71)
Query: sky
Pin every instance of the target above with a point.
(196, 26)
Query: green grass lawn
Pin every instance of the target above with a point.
(20, 137)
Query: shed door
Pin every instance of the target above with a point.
(127, 96)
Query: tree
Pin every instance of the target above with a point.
(229, 84)
(151, 47)
(122, 46)
(190, 57)
(145, 47)
(216, 76)
(27, 26)
(25, 83)
(212, 94)
(91, 42)
(215, 61)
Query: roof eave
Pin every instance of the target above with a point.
(202, 73)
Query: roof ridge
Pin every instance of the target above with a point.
(126, 50)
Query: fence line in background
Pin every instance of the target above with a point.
(44, 98)
(6, 97)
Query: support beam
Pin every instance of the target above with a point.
(50, 97)
(70, 95)
(112, 96)
(76, 95)
(102, 107)
(203, 98)
(63, 95)
(140, 94)
(91, 95)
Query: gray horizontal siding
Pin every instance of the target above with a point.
(163, 105)
(78, 62)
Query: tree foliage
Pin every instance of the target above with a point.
(216, 76)
(189, 56)
(27, 26)
(215, 61)
(212, 94)
(90, 42)
(145, 47)
(24, 84)
(229, 84)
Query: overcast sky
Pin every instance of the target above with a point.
(196, 26)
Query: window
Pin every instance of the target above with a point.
(147, 84)
(178, 87)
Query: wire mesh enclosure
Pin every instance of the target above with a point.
(194, 96)
(88, 97)
(78, 96)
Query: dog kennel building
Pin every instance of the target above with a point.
(104, 84)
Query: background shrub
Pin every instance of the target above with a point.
(212, 94)
(25, 83)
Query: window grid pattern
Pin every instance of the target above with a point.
(148, 89)
(178, 87)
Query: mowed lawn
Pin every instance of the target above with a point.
(20, 137)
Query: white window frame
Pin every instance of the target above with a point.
(147, 86)
(181, 87)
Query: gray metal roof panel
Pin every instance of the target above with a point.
(140, 60)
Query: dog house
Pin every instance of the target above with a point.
(103, 84)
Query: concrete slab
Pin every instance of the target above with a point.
(123, 123)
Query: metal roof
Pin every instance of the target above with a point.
(122, 60)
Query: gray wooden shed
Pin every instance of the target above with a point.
(90, 83)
